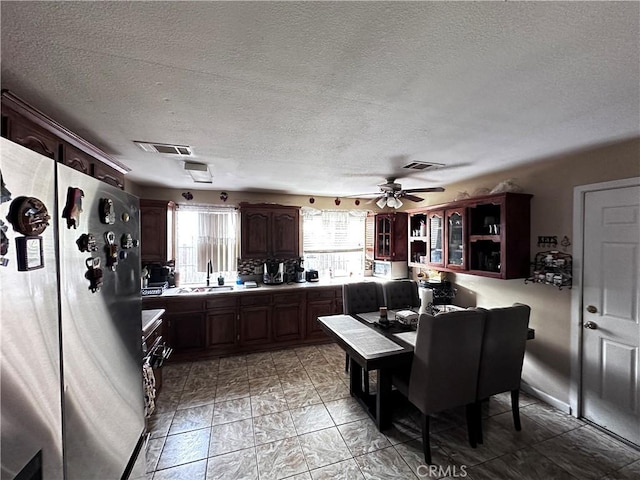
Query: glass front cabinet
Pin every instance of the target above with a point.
(391, 236)
(455, 234)
(487, 236)
(436, 238)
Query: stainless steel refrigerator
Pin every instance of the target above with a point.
(71, 366)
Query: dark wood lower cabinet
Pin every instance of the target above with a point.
(186, 331)
(288, 310)
(221, 328)
(315, 309)
(321, 302)
(254, 325)
(229, 323)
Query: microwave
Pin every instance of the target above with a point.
(390, 270)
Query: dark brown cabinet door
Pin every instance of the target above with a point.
(391, 236)
(156, 231)
(77, 159)
(255, 233)
(285, 234)
(254, 325)
(29, 135)
(383, 237)
(108, 175)
(221, 328)
(435, 242)
(456, 234)
(268, 231)
(288, 316)
(315, 309)
(321, 302)
(186, 331)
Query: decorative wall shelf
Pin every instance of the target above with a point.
(552, 268)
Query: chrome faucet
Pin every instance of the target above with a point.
(209, 271)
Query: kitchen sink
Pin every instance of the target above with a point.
(211, 289)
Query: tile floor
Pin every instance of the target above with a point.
(288, 414)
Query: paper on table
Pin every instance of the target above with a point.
(373, 317)
(409, 337)
(362, 338)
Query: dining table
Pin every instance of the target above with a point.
(371, 346)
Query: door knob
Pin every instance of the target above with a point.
(591, 325)
(592, 309)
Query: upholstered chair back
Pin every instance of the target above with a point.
(444, 371)
(400, 294)
(362, 297)
(503, 347)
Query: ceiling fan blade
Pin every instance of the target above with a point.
(364, 195)
(429, 189)
(413, 198)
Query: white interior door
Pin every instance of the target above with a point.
(611, 333)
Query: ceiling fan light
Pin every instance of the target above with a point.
(381, 202)
(398, 203)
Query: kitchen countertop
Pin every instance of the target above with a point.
(240, 289)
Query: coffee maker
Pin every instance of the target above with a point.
(299, 269)
(273, 272)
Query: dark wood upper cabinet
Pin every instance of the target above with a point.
(31, 128)
(269, 231)
(23, 132)
(391, 236)
(456, 245)
(487, 236)
(77, 159)
(157, 221)
(108, 175)
(255, 233)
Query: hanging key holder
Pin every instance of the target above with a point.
(112, 250)
(94, 274)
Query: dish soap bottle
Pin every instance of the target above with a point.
(220, 280)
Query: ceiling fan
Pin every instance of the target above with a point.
(391, 194)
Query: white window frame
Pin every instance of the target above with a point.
(209, 239)
(332, 252)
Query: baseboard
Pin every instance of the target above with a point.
(545, 397)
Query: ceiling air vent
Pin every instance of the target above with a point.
(423, 166)
(165, 148)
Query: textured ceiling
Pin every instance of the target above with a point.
(328, 98)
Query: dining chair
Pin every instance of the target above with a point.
(444, 369)
(361, 297)
(401, 294)
(503, 346)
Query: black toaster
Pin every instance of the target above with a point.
(311, 275)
